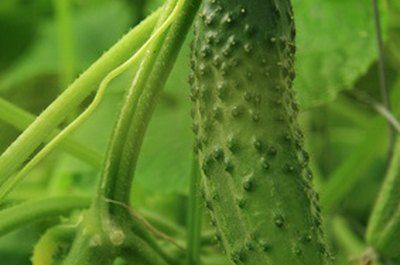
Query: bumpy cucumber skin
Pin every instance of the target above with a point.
(257, 184)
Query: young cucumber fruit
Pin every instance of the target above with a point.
(257, 184)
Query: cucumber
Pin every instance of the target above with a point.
(257, 183)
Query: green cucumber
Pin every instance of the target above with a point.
(257, 183)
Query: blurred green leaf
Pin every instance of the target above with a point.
(336, 45)
(95, 30)
(20, 30)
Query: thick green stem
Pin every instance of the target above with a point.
(195, 208)
(137, 111)
(25, 213)
(127, 138)
(48, 121)
(112, 218)
(111, 178)
(91, 246)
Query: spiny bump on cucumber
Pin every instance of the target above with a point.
(257, 185)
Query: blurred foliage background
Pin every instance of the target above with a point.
(43, 49)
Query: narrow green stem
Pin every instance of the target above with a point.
(70, 99)
(390, 118)
(195, 216)
(21, 119)
(32, 211)
(65, 41)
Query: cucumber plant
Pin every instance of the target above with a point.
(257, 184)
(107, 229)
(249, 165)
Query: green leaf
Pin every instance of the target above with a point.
(336, 45)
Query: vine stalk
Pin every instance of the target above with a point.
(109, 220)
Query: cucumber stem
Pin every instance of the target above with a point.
(140, 102)
(127, 138)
